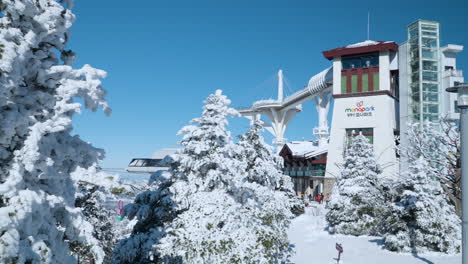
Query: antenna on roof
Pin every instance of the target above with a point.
(368, 25)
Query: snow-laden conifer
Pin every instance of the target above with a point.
(37, 151)
(97, 196)
(422, 219)
(262, 165)
(210, 207)
(439, 144)
(357, 203)
(271, 191)
(212, 226)
(153, 209)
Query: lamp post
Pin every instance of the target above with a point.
(462, 90)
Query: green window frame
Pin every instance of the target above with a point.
(343, 84)
(376, 81)
(354, 83)
(365, 82)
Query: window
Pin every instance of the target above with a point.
(429, 33)
(354, 83)
(429, 42)
(362, 61)
(413, 32)
(430, 65)
(343, 84)
(431, 87)
(394, 83)
(429, 54)
(376, 81)
(455, 104)
(353, 132)
(431, 97)
(430, 76)
(431, 108)
(429, 27)
(365, 82)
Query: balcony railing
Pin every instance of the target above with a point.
(453, 73)
(305, 173)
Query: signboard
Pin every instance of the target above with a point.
(339, 247)
(360, 110)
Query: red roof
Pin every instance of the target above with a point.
(360, 48)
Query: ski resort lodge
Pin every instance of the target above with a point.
(377, 87)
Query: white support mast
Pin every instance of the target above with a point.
(280, 112)
(280, 85)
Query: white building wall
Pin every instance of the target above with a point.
(393, 61)
(404, 99)
(381, 119)
(384, 70)
(449, 77)
(337, 75)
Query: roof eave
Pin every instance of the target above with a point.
(343, 51)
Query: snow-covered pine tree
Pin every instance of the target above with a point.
(153, 209)
(264, 183)
(264, 167)
(422, 219)
(212, 227)
(439, 144)
(358, 202)
(96, 194)
(181, 217)
(216, 223)
(38, 218)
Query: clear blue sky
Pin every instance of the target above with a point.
(164, 57)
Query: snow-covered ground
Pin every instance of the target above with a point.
(314, 245)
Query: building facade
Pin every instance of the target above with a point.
(379, 87)
(365, 90)
(425, 70)
(305, 162)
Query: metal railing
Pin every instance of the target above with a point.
(453, 73)
(305, 173)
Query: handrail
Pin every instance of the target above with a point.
(317, 84)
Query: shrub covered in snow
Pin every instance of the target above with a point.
(358, 201)
(38, 219)
(422, 219)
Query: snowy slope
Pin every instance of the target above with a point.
(313, 245)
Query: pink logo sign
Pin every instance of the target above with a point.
(359, 104)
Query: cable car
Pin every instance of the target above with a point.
(150, 165)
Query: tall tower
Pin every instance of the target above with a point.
(365, 88)
(424, 71)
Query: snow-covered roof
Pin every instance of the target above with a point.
(452, 48)
(364, 43)
(306, 149)
(162, 153)
(362, 47)
(299, 148)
